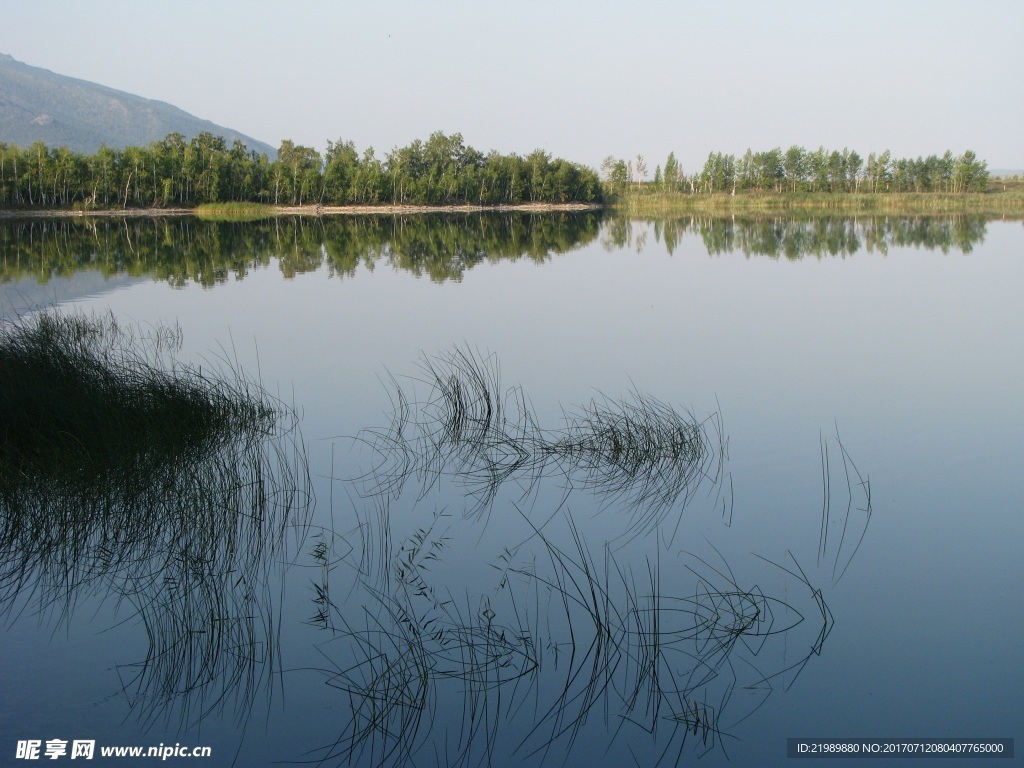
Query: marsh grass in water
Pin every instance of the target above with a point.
(84, 396)
(562, 637)
(452, 647)
(164, 490)
(453, 637)
(636, 449)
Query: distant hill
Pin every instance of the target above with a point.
(38, 105)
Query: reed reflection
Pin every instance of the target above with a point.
(482, 611)
(134, 481)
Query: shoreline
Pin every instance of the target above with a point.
(908, 204)
(305, 210)
(992, 202)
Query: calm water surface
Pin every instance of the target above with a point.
(842, 558)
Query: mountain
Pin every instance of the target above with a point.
(38, 105)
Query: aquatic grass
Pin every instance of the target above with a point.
(582, 590)
(162, 490)
(636, 452)
(825, 627)
(846, 523)
(567, 644)
(387, 687)
(404, 660)
(468, 423)
(322, 585)
(560, 643)
(464, 425)
(640, 453)
(77, 396)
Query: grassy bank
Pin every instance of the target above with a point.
(1000, 198)
(234, 211)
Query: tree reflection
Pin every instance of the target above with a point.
(189, 250)
(442, 248)
(816, 237)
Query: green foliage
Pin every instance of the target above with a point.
(798, 170)
(616, 174)
(442, 171)
(176, 173)
(673, 175)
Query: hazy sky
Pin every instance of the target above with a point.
(581, 80)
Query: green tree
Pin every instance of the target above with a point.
(616, 173)
(296, 174)
(969, 173)
(795, 167)
(854, 169)
(341, 170)
(672, 173)
(641, 170)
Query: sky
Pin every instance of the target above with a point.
(581, 80)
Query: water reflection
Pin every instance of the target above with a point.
(636, 453)
(526, 595)
(442, 248)
(156, 489)
(817, 237)
(538, 628)
(184, 250)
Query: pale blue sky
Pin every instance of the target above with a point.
(581, 80)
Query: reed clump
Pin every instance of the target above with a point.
(555, 644)
(78, 395)
(128, 477)
(636, 448)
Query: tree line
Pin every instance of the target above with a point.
(176, 172)
(801, 170)
(442, 170)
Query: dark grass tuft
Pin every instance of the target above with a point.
(83, 395)
(161, 489)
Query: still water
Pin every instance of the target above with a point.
(552, 489)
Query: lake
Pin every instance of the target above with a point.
(565, 488)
